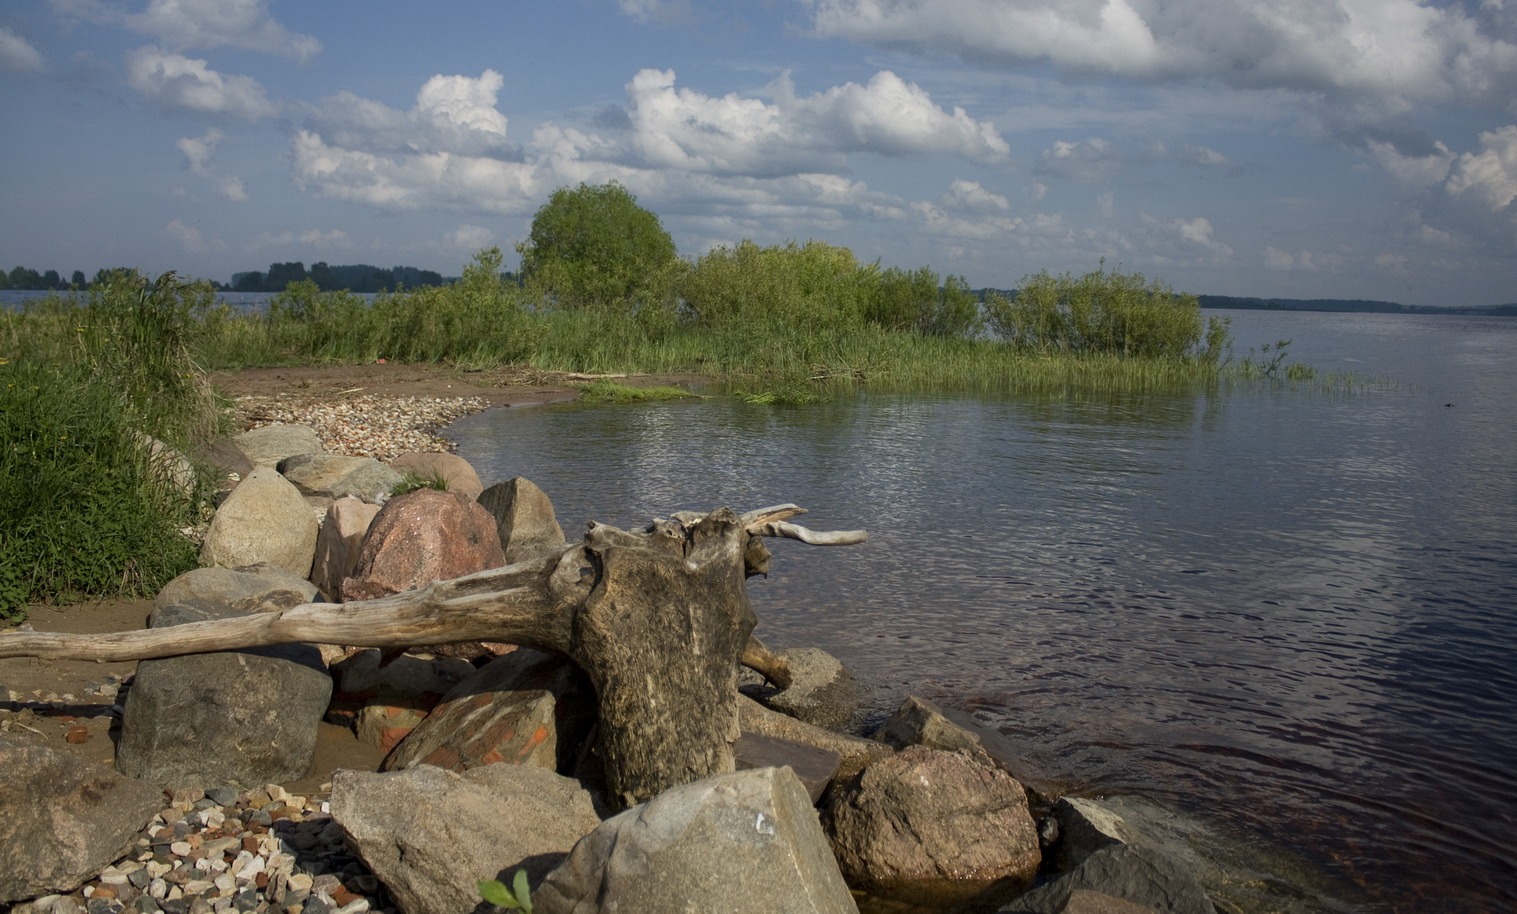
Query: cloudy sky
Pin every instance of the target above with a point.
(1294, 148)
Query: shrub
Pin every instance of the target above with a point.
(1112, 313)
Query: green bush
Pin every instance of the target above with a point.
(916, 302)
(1114, 313)
(594, 247)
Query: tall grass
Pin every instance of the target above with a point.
(84, 507)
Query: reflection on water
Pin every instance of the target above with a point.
(1284, 611)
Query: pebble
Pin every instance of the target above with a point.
(365, 426)
(296, 862)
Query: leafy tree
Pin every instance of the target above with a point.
(916, 302)
(77, 280)
(813, 284)
(594, 247)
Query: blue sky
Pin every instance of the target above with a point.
(1292, 148)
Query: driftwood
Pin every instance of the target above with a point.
(658, 618)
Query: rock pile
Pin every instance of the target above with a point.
(492, 765)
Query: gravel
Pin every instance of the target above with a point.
(365, 426)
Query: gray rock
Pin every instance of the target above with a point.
(263, 520)
(455, 471)
(919, 722)
(266, 446)
(815, 767)
(338, 543)
(931, 827)
(822, 692)
(741, 842)
(524, 518)
(431, 835)
(255, 588)
(236, 717)
(170, 469)
(525, 708)
(1136, 875)
(853, 751)
(331, 476)
(65, 818)
(227, 462)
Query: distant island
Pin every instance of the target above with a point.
(1348, 304)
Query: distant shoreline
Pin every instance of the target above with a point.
(1355, 306)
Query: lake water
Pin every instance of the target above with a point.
(1287, 612)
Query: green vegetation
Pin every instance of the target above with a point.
(84, 508)
(518, 896)
(410, 482)
(604, 391)
(88, 506)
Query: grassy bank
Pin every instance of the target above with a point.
(85, 510)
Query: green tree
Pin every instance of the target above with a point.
(594, 247)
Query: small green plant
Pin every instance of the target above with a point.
(603, 391)
(410, 482)
(518, 897)
(784, 395)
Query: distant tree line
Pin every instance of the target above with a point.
(358, 277)
(28, 278)
(1354, 305)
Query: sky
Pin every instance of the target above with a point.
(1275, 148)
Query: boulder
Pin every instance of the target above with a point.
(854, 752)
(740, 842)
(267, 446)
(431, 835)
(919, 722)
(814, 767)
(263, 520)
(171, 469)
(65, 818)
(235, 717)
(338, 543)
(524, 518)
(526, 708)
(332, 476)
(385, 726)
(822, 692)
(1136, 875)
(932, 828)
(418, 683)
(421, 537)
(255, 588)
(455, 471)
(226, 461)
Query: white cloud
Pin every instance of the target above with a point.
(469, 239)
(669, 11)
(232, 188)
(685, 129)
(1087, 160)
(455, 114)
(17, 54)
(199, 151)
(1408, 49)
(1489, 176)
(1183, 240)
(187, 83)
(194, 24)
(1303, 261)
(411, 181)
(972, 196)
(1413, 171)
(1106, 205)
(332, 239)
(191, 239)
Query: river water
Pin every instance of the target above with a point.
(1288, 612)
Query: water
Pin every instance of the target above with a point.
(1290, 613)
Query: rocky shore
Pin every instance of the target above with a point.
(492, 755)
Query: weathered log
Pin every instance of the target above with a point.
(658, 618)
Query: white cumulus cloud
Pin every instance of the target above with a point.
(195, 24)
(1489, 175)
(184, 82)
(17, 54)
(733, 134)
(455, 114)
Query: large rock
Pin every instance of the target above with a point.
(822, 692)
(815, 767)
(524, 518)
(455, 472)
(421, 537)
(431, 835)
(853, 752)
(339, 542)
(171, 469)
(919, 722)
(267, 446)
(332, 476)
(526, 708)
(237, 717)
(1135, 875)
(741, 842)
(65, 818)
(362, 679)
(929, 827)
(263, 520)
(256, 588)
(227, 463)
